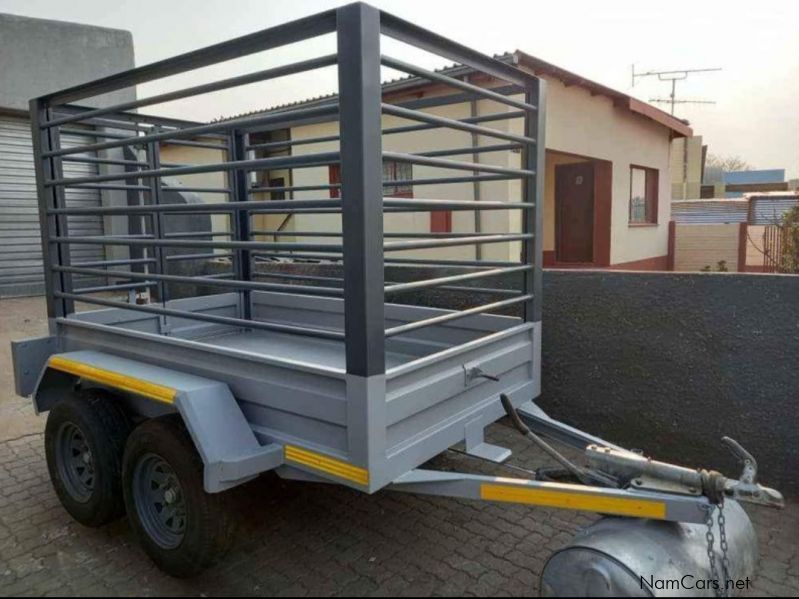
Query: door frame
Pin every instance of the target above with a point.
(603, 206)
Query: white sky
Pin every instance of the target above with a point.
(756, 43)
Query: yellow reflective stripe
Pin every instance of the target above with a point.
(114, 379)
(570, 500)
(326, 464)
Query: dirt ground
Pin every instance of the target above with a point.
(300, 538)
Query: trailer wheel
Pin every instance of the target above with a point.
(84, 440)
(182, 528)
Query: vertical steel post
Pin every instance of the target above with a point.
(50, 224)
(361, 187)
(534, 157)
(158, 228)
(241, 220)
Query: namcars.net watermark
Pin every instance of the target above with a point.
(690, 582)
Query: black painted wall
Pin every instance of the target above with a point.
(670, 363)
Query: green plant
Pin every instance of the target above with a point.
(721, 266)
(789, 258)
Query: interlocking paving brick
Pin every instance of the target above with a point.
(301, 539)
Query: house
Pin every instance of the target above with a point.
(38, 56)
(608, 180)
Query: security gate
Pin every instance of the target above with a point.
(20, 247)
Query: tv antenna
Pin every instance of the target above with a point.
(673, 77)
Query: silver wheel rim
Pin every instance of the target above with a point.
(160, 503)
(75, 462)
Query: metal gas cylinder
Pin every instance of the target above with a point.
(627, 557)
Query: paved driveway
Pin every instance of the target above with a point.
(299, 538)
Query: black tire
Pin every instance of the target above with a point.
(182, 528)
(84, 442)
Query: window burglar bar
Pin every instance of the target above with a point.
(126, 148)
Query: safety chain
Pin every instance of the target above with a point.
(711, 553)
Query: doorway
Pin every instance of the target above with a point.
(574, 214)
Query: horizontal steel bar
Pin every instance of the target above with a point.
(196, 144)
(438, 282)
(294, 188)
(397, 246)
(273, 73)
(400, 235)
(273, 145)
(121, 262)
(211, 281)
(457, 164)
(418, 262)
(302, 161)
(259, 41)
(180, 188)
(174, 135)
(212, 318)
(412, 34)
(119, 287)
(455, 204)
(206, 256)
(410, 69)
(179, 243)
(341, 280)
(426, 117)
(111, 187)
(94, 160)
(99, 134)
(436, 320)
(212, 207)
(450, 180)
(191, 234)
(131, 121)
(451, 263)
(471, 150)
(485, 118)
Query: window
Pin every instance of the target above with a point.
(440, 220)
(392, 171)
(643, 195)
(398, 171)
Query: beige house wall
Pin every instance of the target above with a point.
(578, 123)
(698, 246)
(192, 155)
(591, 126)
(417, 222)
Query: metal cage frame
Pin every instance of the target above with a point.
(359, 106)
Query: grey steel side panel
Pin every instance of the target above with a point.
(28, 358)
(294, 390)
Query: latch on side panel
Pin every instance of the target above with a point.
(472, 373)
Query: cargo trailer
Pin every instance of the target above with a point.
(204, 366)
